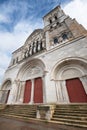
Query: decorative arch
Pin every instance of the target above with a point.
(31, 69)
(7, 84)
(70, 77)
(5, 91)
(76, 66)
(32, 73)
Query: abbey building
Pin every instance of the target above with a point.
(51, 66)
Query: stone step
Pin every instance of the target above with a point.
(70, 111)
(12, 115)
(75, 114)
(70, 117)
(20, 112)
(71, 114)
(73, 121)
(22, 107)
(19, 109)
(69, 108)
(34, 113)
(81, 126)
(2, 106)
(72, 104)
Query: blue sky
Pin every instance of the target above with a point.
(18, 18)
(13, 11)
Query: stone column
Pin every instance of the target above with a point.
(18, 91)
(22, 88)
(64, 91)
(84, 82)
(43, 85)
(47, 40)
(3, 96)
(39, 46)
(13, 94)
(58, 92)
(32, 92)
(43, 44)
(61, 92)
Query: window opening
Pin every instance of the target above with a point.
(64, 36)
(55, 40)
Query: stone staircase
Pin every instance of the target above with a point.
(2, 106)
(66, 114)
(19, 111)
(73, 115)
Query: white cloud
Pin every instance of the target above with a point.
(77, 9)
(5, 59)
(9, 42)
(4, 62)
(4, 19)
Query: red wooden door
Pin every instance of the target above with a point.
(7, 96)
(27, 92)
(38, 91)
(76, 91)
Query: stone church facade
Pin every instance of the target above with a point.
(51, 66)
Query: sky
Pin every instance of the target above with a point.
(19, 18)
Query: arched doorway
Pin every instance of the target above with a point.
(76, 91)
(5, 91)
(32, 73)
(70, 78)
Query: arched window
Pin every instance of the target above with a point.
(50, 20)
(55, 40)
(64, 36)
(55, 17)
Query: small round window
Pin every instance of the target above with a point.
(55, 40)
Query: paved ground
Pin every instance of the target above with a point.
(12, 124)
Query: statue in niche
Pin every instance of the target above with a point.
(34, 47)
(39, 46)
(43, 44)
(30, 50)
(27, 53)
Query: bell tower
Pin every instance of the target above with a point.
(60, 28)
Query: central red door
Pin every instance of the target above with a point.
(38, 90)
(76, 91)
(27, 92)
